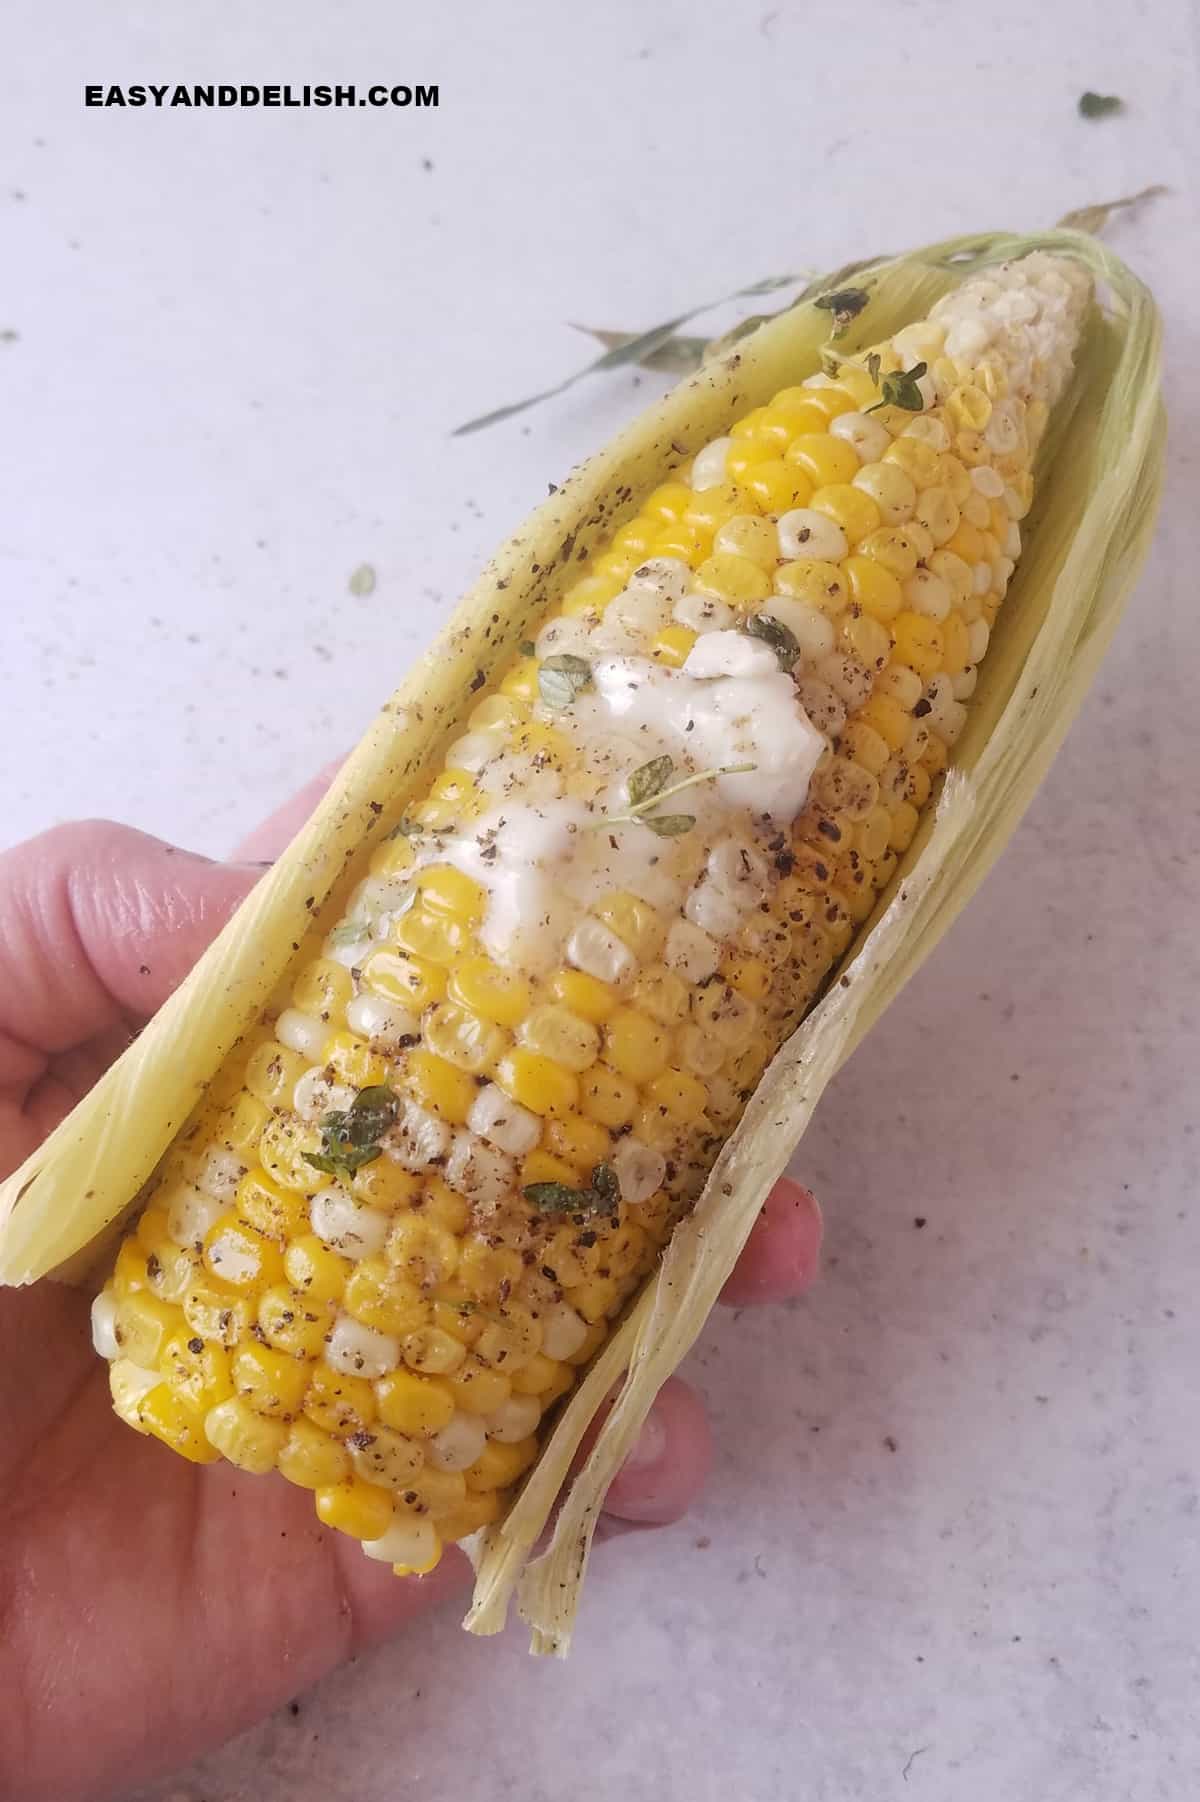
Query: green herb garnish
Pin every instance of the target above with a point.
(561, 678)
(649, 780)
(669, 825)
(900, 389)
(1099, 106)
(646, 790)
(600, 1197)
(406, 829)
(527, 648)
(773, 632)
(351, 1137)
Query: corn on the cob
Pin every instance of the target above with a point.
(412, 1207)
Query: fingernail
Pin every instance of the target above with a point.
(649, 1445)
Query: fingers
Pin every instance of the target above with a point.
(783, 1253)
(265, 842)
(98, 922)
(669, 1462)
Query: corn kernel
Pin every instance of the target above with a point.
(283, 1153)
(144, 1324)
(324, 988)
(669, 501)
(293, 1323)
(385, 1457)
(494, 993)
(477, 1510)
(438, 938)
(918, 785)
(672, 646)
(464, 1038)
(888, 718)
(538, 1083)
(352, 1061)
(434, 1492)
(498, 1464)
(905, 820)
(865, 640)
(595, 1298)
(195, 1370)
(748, 975)
(383, 1297)
(440, 1086)
(662, 994)
(607, 1097)
(544, 1167)
(415, 1405)
(591, 594)
(433, 1351)
(745, 454)
(565, 1038)
(865, 746)
(873, 587)
(276, 1212)
(241, 1125)
(338, 1403)
(813, 580)
(270, 1381)
(547, 1378)
(245, 1438)
(688, 543)
(849, 508)
(477, 1389)
(216, 1313)
(778, 484)
(448, 890)
(241, 1257)
(508, 1343)
(919, 643)
(824, 459)
(272, 1072)
(166, 1416)
(311, 1459)
(354, 1507)
(394, 857)
(315, 1271)
(444, 1206)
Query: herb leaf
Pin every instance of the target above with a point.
(845, 304)
(406, 829)
(561, 678)
(559, 1198)
(605, 1184)
(774, 633)
(873, 366)
(668, 825)
(649, 778)
(351, 1137)
(527, 648)
(900, 390)
(1099, 106)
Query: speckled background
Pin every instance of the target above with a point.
(951, 1545)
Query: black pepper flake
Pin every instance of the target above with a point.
(477, 681)
(922, 708)
(195, 1346)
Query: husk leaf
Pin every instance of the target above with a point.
(1097, 495)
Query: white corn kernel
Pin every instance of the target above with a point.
(515, 1421)
(458, 1444)
(806, 533)
(667, 577)
(317, 1094)
(104, 1326)
(691, 953)
(864, 435)
(360, 1351)
(702, 612)
(598, 952)
(302, 1033)
(810, 628)
(190, 1212)
(708, 470)
(418, 1139)
(410, 1542)
(345, 1224)
(563, 1332)
(639, 1170)
(380, 1021)
(481, 1172)
(978, 636)
(220, 1173)
(504, 1122)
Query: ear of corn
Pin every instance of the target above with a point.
(390, 1338)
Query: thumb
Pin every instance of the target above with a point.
(99, 922)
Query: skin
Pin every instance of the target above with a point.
(131, 1639)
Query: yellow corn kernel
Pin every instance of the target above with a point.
(669, 501)
(677, 1096)
(463, 1038)
(521, 682)
(415, 1405)
(815, 581)
(437, 937)
(249, 1440)
(595, 1298)
(872, 834)
(918, 785)
(824, 459)
(478, 1510)
(143, 1326)
(709, 509)
(337, 1403)
(216, 1313)
(891, 488)
(195, 1370)
(477, 1389)
(637, 535)
(276, 1212)
(606, 1096)
(634, 921)
(423, 1252)
(580, 1142)
(439, 1086)
(496, 994)
(888, 718)
(862, 743)
(744, 455)
(272, 1072)
(834, 398)
(956, 645)
(778, 485)
(591, 594)
(935, 755)
(241, 1257)
(919, 643)
(416, 981)
(385, 1457)
(735, 579)
(635, 1045)
(383, 1184)
(448, 890)
(873, 587)
(796, 408)
(868, 642)
(241, 1124)
(311, 1459)
(485, 1270)
(905, 820)
(759, 426)
(323, 988)
(314, 1271)
(444, 1206)
(671, 646)
(547, 1378)
(433, 1351)
(456, 1312)
(894, 548)
(352, 1061)
(357, 1508)
(382, 1297)
(662, 994)
(616, 563)
(434, 1492)
(164, 1414)
(538, 1083)
(171, 1270)
(293, 1323)
(283, 1153)
(585, 995)
(746, 535)
(498, 1464)
(270, 1381)
(843, 788)
(544, 1167)
(849, 508)
(565, 1038)
(748, 975)
(508, 1343)
(688, 543)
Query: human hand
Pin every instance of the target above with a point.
(151, 1608)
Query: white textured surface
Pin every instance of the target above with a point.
(242, 339)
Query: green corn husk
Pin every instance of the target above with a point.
(1099, 476)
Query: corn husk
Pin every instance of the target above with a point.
(1097, 493)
